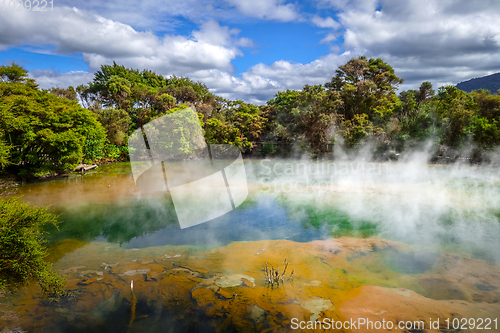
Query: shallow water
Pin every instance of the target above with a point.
(383, 241)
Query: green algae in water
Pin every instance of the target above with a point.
(142, 224)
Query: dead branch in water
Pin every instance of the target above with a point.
(273, 276)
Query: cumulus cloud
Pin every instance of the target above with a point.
(261, 82)
(154, 15)
(444, 41)
(267, 9)
(47, 78)
(327, 22)
(102, 41)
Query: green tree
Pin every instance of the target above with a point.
(455, 109)
(425, 93)
(47, 133)
(21, 247)
(485, 126)
(365, 86)
(4, 154)
(115, 123)
(305, 116)
(69, 93)
(355, 130)
(13, 73)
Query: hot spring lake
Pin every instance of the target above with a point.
(383, 241)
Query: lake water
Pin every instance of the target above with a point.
(402, 242)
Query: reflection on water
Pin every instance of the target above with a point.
(395, 247)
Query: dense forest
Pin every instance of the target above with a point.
(49, 131)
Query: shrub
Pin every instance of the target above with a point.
(21, 247)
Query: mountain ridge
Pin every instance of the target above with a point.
(488, 82)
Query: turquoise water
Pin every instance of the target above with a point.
(437, 206)
(433, 230)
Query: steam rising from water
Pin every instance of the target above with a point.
(440, 207)
(449, 207)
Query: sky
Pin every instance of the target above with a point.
(251, 49)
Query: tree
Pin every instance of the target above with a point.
(69, 94)
(305, 115)
(355, 130)
(425, 93)
(365, 86)
(4, 154)
(485, 127)
(13, 73)
(115, 123)
(21, 247)
(47, 133)
(455, 108)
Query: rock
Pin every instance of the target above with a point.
(145, 261)
(135, 272)
(378, 303)
(233, 280)
(316, 305)
(90, 272)
(314, 283)
(314, 317)
(203, 296)
(224, 294)
(247, 283)
(257, 314)
(111, 304)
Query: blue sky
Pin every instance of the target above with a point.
(251, 49)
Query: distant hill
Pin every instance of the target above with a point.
(490, 82)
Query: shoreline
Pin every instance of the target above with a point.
(10, 180)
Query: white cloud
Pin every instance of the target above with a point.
(267, 9)
(102, 41)
(261, 82)
(327, 22)
(154, 15)
(444, 41)
(212, 33)
(47, 78)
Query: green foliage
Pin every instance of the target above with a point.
(455, 108)
(69, 94)
(4, 153)
(115, 122)
(486, 132)
(47, 133)
(13, 73)
(94, 147)
(355, 130)
(268, 149)
(308, 114)
(43, 133)
(364, 86)
(236, 123)
(115, 153)
(21, 247)
(220, 131)
(186, 85)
